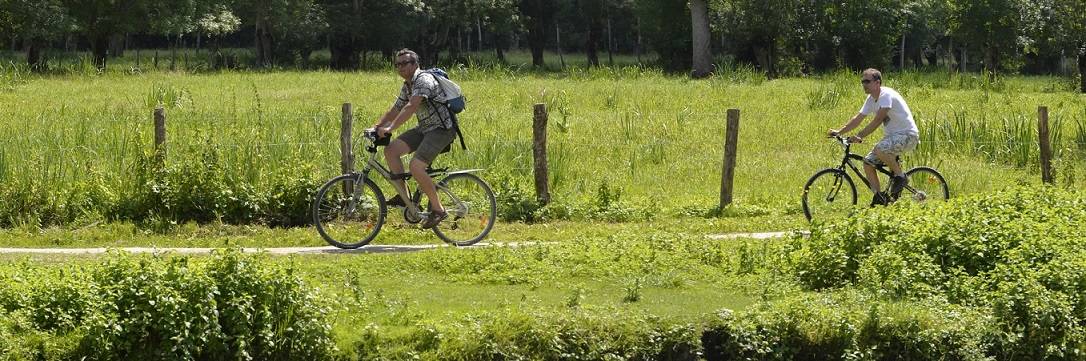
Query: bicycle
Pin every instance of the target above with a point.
(350, 209)
(832, 191)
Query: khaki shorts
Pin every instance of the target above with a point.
(428, 145)
(895, 144)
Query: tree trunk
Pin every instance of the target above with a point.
(1082, 67)
(116, 45)
(590, 47)
(34, 57)
(766, 58)
(263, 43)
(537, 40)
(344, 53)
(500, 54)
(99, 50)
(699, 20)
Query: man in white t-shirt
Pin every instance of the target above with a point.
(900, 134)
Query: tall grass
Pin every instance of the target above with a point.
(656, 139)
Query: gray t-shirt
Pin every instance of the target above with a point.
(899, 118)
(431, 114)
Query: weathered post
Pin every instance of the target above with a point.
(160, 134)
(345, 148)
(539, 153)
(1046, 146)
(728, 174)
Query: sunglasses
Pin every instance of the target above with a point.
(866, 81)
(402, 63)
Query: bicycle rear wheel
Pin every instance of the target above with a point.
(829, 193)
(925, 185)
(348, 212)
(470, 203)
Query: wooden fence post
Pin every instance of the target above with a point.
(1046, 146)
(345, 147)
(728, 174)
(539, 153)
(160, 134)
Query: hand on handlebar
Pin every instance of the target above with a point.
(855, 140)
(384, 131)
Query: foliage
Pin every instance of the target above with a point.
(1017, 252)
(850, 326)
(231, 306)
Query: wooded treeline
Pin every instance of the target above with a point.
(780, 37)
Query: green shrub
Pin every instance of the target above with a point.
(849, 326)
(232, 306)
(514, 334)
(1017, 253)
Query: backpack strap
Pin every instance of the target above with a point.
(456, 126)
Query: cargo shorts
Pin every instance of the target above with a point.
(895, 144)
(428, 145)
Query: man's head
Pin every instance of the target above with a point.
(406, 63)
(871, 80)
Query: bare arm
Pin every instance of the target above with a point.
(393, 119)
(852, 123)
(880, 117)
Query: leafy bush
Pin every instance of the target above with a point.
(514, 334)
(140, 307)
(1017, 253)
(849, 326)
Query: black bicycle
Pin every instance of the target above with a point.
(350, 209)
(832, 192)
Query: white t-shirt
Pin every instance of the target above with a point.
(900, 118)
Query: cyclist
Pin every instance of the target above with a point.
(431, 136)
(900, 134)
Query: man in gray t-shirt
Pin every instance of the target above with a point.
(420, 96)
(900, 133)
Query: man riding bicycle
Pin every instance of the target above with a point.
(900, 134)
(431, 136)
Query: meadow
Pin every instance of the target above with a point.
(625, 143)
(624, 269)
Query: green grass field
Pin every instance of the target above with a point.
(636, 140)
(655, 141)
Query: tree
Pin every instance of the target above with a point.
(1070, 17)
(668, 29)
(35, 23)
(758, 29)
(591, 14)
(990, 28)
(173, 19)
(925, 26)
(700, 35)
(217, 22)
(503, 19)
(304, 27)
(538, 18)
(867, 31)
(99, 20)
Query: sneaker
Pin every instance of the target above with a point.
(897, 184)
(880, 199)
(395, 201)
(433, 219)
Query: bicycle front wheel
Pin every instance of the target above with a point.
(471, 207)
(925, 185)
(348, 211)
(829, 193)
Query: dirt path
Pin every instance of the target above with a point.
(330, 249)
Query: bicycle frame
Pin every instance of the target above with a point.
(849, 157)
(374, 164)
